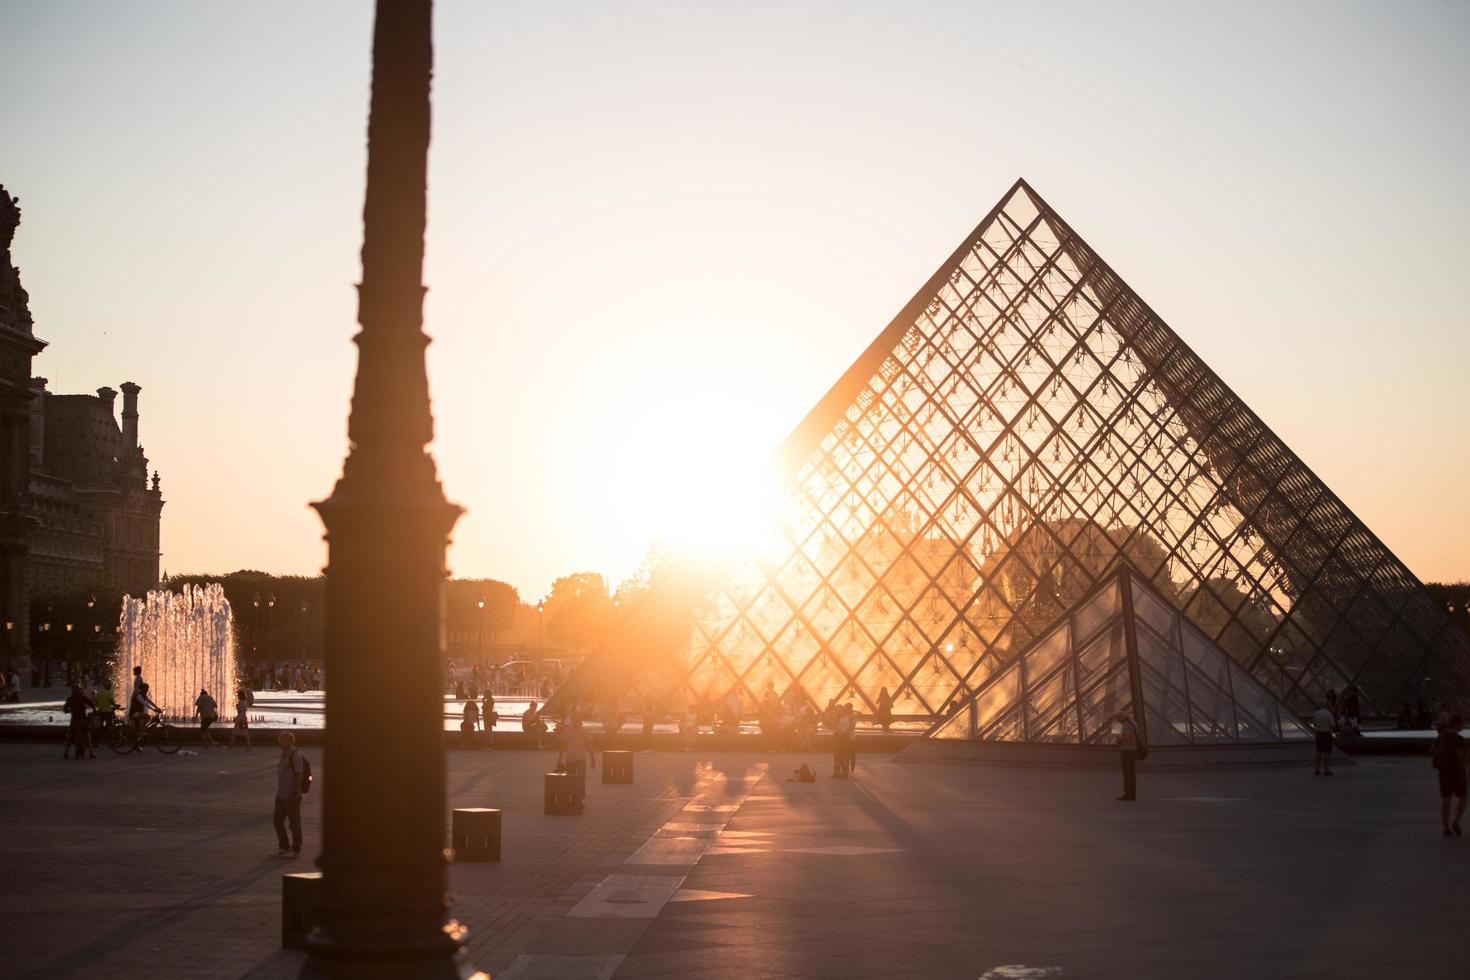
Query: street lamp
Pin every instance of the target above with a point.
(540, 617)
(255, 626)
(480, 628)
(270, 604)
(303, 631)
(46, 628)
(92, 643)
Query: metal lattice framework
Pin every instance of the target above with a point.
(1123, 647)
(1025, 421)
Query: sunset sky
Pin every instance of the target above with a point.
(659, 232)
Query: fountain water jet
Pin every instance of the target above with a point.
(184, 641)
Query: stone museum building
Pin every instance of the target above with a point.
(77, 506)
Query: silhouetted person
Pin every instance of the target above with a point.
(207, 711)
(243, 700)
(1128, 743)
(469, 724)
(1421, 715)
(1323, 723)
(1406, 717)
(842, 731)
(289, 773)
(1450, 759)
(77, 734)
(532, 723)
(885, 709)
(1352, 711)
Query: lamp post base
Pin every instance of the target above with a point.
(437, 958)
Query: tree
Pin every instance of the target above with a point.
(579, 610)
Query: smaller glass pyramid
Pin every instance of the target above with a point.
(1123, 645)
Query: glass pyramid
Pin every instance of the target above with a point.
(1025, 422)
(1123, 646)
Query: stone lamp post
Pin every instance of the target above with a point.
(384, 910)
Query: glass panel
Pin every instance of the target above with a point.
(1152, 611)
(1062, 728)
(1098, 610)
(1046, 699)
(1102, 702)
(1155, 654)
(1212, 717)
(1041, 659)
(1256, 709)
(1000, 694)
(957, 726)
(1006, 729)
(1103, 654)
(1166, 710)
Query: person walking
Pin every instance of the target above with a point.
(1128, 743)
(1323, 722)
(290, 770)
(77, 734)
(208, 711)
(885, 709)
(243, 700)
(1451, 757)
(577, 751)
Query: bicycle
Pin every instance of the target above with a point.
(126, 737)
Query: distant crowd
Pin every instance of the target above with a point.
(271, 676)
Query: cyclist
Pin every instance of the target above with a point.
(139, 706)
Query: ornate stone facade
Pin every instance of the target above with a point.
(98, 516)
(18, 344)
(76, 504)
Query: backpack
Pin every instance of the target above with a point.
(305, 774)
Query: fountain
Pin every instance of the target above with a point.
(184, 642)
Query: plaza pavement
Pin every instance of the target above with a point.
(712, 865)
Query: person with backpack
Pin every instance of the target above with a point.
(293, 780)
(1131, 747)
(1451, 757)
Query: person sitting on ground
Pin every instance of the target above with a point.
(77, 734)
(207, 710)
(1451, 757)
(805, 774)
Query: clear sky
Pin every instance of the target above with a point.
(659, 231)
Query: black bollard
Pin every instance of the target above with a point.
(563, 794)
(475, 834)
(617, 766)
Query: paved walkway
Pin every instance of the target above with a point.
(151, 866)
